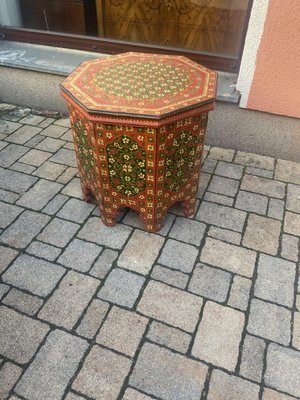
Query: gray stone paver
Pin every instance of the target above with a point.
(296, 330)
(76, 210)
(228, 256)
(292, 223)
(170, 276)
(229, 387)
(65, 156)
(178, 255)
(102, 374)
(225, 235)
(8, 197)
(270, 321)
(283, 369)
(262, 185)
(253, 202)
(67, 303)
(40, 194)
(293, 198)
(239, 293)
(219, 199)
(24, 168)
(79, 255)
(7, 255)
(10, 154)
(224, 217)
(270, 394)
(169, 337)
(188, 231)
(95, 231)
(132, 394)
(262, 234)
(121, 287)
(53, 367)
(54, 131)
(275, 280)
(254, 160)
(122, 331)
(228, 170)
(15, 181)
(9, 375)
(49, 170)
(276, 208)
(43, 250)
(23, 134)
(140, 258)
(73, 188)
(218, 336)
(58, 232)
(35, 157)
(3, 289)
(8, 127)
(217, 153)
(288, 171)
(93, 318)
(104, 263)
(24, 302)
(225, 186)
(55, 204)
(252, 361)
(8, 213)
(212, 283)
(67, 175)
(37, 276)
(168, 375)
(170, 305)
(20, 335)
(21, 232)
(142, 300)
(50, 144)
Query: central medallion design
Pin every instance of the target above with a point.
(180, 160)
(139, 80)
(126, 166)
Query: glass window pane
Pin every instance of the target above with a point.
(208, 26)
(214, 26)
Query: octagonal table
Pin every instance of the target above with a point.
(139, 123)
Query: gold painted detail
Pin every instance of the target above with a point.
(142, 80)
(85, 151)
(126, 166)
(180, 160)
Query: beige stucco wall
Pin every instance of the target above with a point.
(269, 78)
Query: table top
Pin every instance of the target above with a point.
(141, 85)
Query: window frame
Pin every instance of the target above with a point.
(111, 46)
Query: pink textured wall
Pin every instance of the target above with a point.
(276, 82)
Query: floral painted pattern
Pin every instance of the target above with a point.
(126, 166)
(180, 160)
(84, 152)
(140, 80)
(140, 85)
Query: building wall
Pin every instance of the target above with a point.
(269, 78)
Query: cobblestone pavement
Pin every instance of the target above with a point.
(208, 308)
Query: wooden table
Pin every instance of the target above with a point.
(139, 123)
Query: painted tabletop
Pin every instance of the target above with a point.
(141, 85)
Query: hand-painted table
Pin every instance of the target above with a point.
(139, 122)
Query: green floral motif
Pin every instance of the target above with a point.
(126, 166)
(180, 160)
(85, 152)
